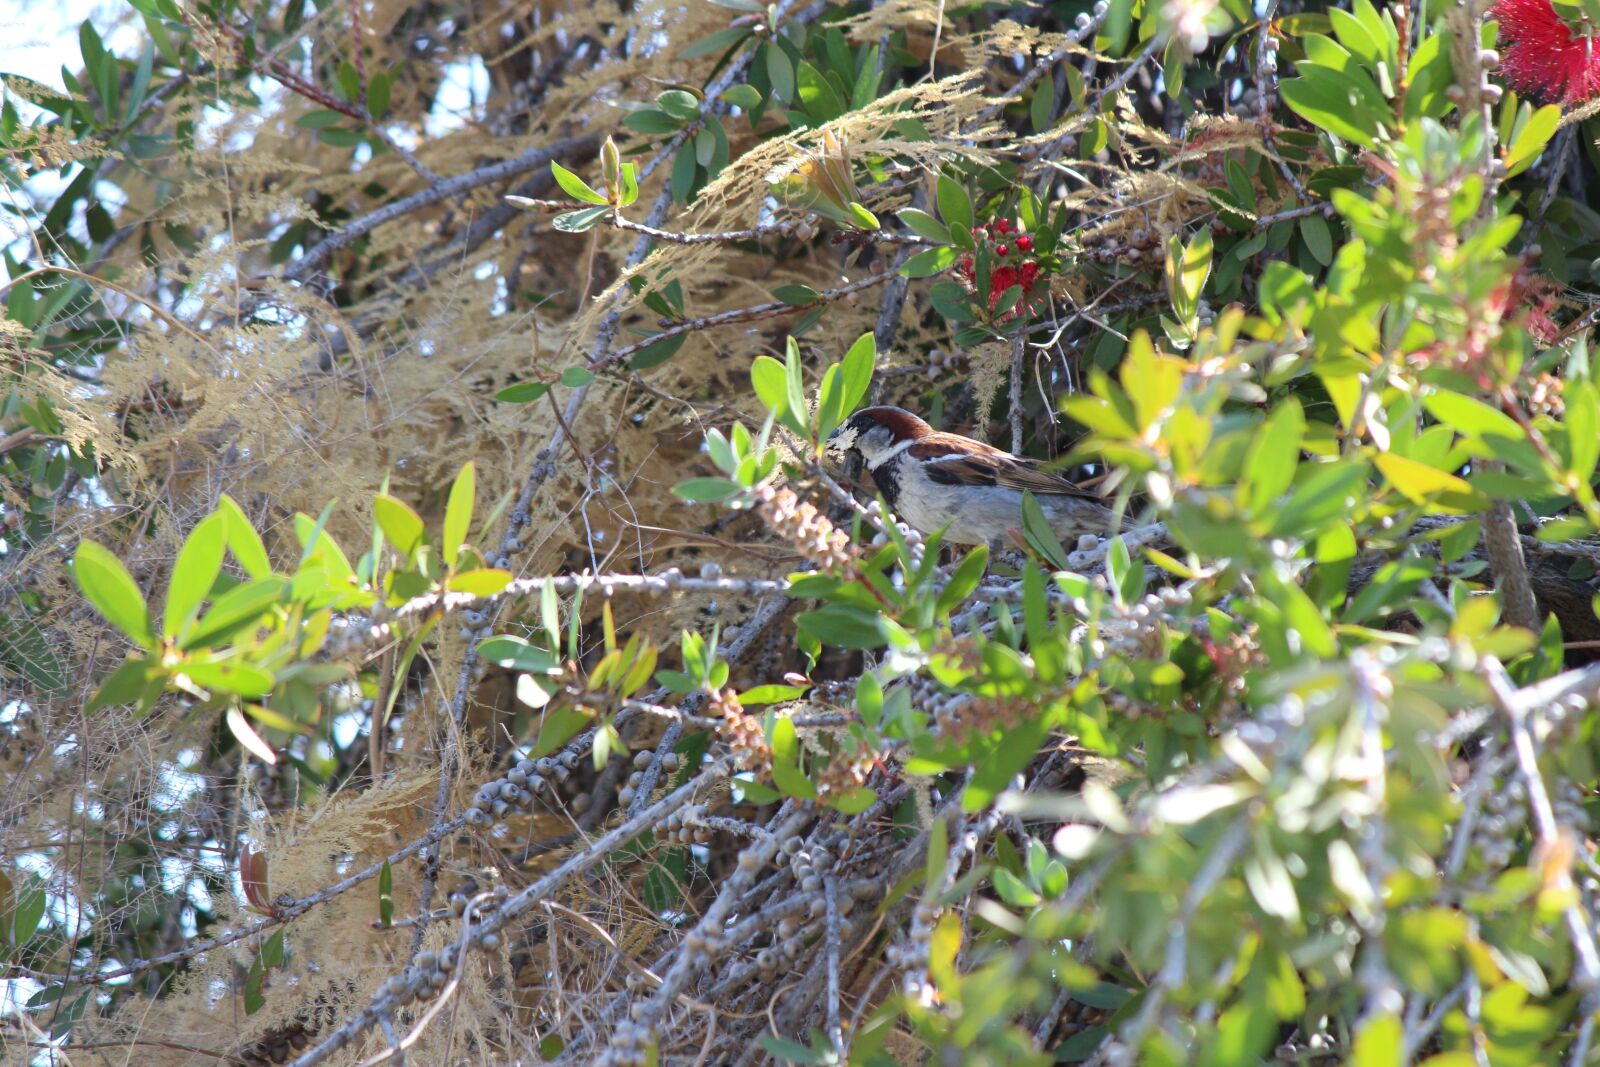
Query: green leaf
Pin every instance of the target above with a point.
(1583, 427)
(1274, 457)
(402, 526)
(1188, 267)
(579, 221)
(852, 801)
(796, 295)
(24, 648)
(378, 94)
(964, 580)
(952, 301)
(558, 727)
(864, 219)
(790, 1051)
(577, 377)
(955, 207)
(386, 896)
(679, 104)
(817, 95)
(844, 626)
(924, 225)
(1040, 535)
(780, 72)
(27, 916)
(487, 581)
(349, 81)
(1380, 1043)
(199, 562)
(243, 540)
(1470, 416)
(929, 261)
(830, 403)
(856, 370)
(744, 97)
(1043, 104)
(770, 381)
(1531, 138)
(1318, 237)
(770, 694)
(320, 119)
(1419, 482)
(653, 355)
(1331, 101)
(705, 490)
(794, 388)
(684, 167)
(1013, 891)
(240, 605)
(514, 653)
(575, 186)
(137, 680)
(111, 589)
(522, 392)
(652, 122)
(229, 676)
(712, 43)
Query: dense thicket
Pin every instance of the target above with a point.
(430, 627)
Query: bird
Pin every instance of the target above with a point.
(971, 492)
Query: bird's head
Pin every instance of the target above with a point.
(877, 433)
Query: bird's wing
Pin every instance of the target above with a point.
(953, 460)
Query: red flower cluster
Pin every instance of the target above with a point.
(1013, 264)
(1545, 55)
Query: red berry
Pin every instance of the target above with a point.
(1002, 227)
(1002, 251)
(1024, 243)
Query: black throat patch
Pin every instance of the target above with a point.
(887, 479)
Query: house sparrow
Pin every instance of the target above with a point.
(972, 491)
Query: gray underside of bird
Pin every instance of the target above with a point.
(983, 515)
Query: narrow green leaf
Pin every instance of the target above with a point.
(199, 562)
(402, 526)
(386, 896)
(1040, 535)
(522, 392)
(243, 540)
(744, 97)
(930, 261)
(229, 676)
(580, 221)
(111, 589)
(575, 186)
(241, 605)
(796, 295)
(856, 370)
(1042, 107)
(924, 225)
(955, 207)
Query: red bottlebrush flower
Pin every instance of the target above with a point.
(1545, 55)
(1030, 271)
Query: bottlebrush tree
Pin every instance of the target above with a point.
(434, 627)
